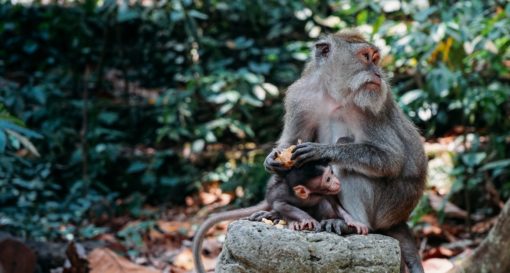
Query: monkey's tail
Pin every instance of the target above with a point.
(214, 218)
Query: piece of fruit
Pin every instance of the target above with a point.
(284, 157)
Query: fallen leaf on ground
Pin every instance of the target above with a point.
(184, 260)
(438, 203)
(103, 260)
(207, 198)
(172, 227)
(485, 225)
(436, 265)
(77, 261)
(432, 231)
(111, 242)
(211, 247)
(439, 252)
(209, 263)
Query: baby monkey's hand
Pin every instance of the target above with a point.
(305, 224)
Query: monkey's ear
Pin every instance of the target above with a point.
(301, 191)
(322, 50)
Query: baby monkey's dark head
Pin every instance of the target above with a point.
(313, 178)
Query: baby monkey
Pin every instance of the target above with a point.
(306, 197)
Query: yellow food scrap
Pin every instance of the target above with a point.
(282, 222)
(267, 221)
(284, 157)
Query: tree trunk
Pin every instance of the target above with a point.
(493, 254)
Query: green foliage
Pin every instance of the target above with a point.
(145, 103)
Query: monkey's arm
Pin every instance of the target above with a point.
(296, 127)
(365, 158)
(259, 215)
(298, 219)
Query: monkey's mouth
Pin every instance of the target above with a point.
(334, 190)
(372, 85)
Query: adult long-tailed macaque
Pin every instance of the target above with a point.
(344, 93)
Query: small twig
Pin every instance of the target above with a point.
(423, 245)
(492, 192)
(84, 127)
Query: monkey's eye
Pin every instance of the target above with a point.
(322, 49)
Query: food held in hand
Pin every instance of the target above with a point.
(284, 157)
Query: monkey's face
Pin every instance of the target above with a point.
(351, 72)
(325, 184)
(329, 182)
(367, 84)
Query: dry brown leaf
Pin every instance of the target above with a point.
(155, 235)
(207, 198)
(485, 225)
(77, 261)
(173, 227)
(209, 263)
(103, 260)
(111, 242)
(184, 260)
(450, 210)
(211, 247)
(430, 219)
(439, 252)
(225, 199)
(437, 265)
(432, 231)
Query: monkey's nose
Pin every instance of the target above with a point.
(368, 55)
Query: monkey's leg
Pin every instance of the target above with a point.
(358, 226)
(408, 249)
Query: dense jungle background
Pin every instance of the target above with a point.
(127, 122)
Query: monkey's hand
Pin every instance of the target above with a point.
(257, 216)
(305, 224)
(310, 151)
(272, 165)
(334, 225)
(360, 227)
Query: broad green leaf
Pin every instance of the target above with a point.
(8, 125)
(136, 166)
(3, 141)
(500, 164)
